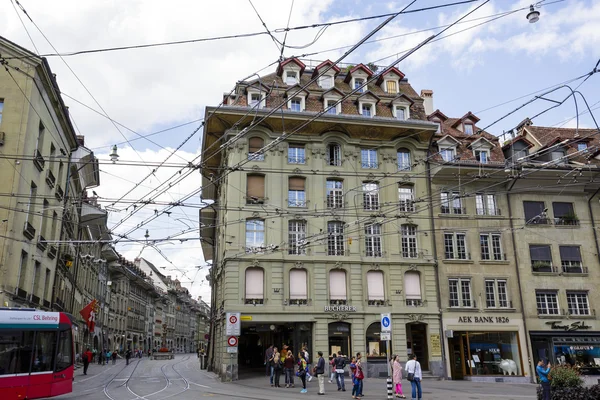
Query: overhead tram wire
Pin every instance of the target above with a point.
(273, 111)
(267, 31)
(246, 35)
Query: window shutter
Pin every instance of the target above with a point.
(337, 285)
(254, 283)
(296, 183)
(570, 253)
(391, 86)
(412, 285)
(532, 209)
(540, 253)
(255, 144)
(375, 285)
(298, 284)
(255, 186)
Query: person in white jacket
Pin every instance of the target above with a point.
(414, 367)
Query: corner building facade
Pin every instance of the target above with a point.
(313, 239)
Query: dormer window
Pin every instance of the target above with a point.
(439, 125)
(326, 81)
(367, 110)
(391, 86)
(468, 129)
(296, 104)
(448, 154)
(401, 113)
(358, 82)
(482, 156)
(558, 156)
(256, 100)
(291, 77)
(334, 108)
(582, 146)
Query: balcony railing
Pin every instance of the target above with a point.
(543, 267)
(254, 301)
(415, 302)
(42, 244)
(566, 220)
(574, 269)
(338, 302)
(488, 211)
(52, 251)
(296, 160)
(256, 156)
(38, 160)
(335, 162)
(376, 302)
(58, 193)
(453, 210)
(29, 231)
(297, 302)
(296, 203)
(462, 304)
(369, 164)
(539, 221)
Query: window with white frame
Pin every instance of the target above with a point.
(580, 146)
(337, 286)
(491, 247)
(335, 238)
(455, 246)
(373, 240)
(468, 129)
(296, 104)
(439, 125)
(391, 86)
(482, 156)
(291, 77)
(375, 287)
(403, 158)
(401, 113)
(298, 286)
(460, 292)
(255, 235)
(296, 192)
(496, 293)
(255, 144)
(368, 158)
(577, 303)
(358, 82)
(332, 107)
(452, 203)
(412, 288)
(409, 240)
(366, 110)
(370, 196)
(334, 154)
(406, 198)
(570, 259)
(335, 193)
(485, 204)
(448, 154)
(547, 302)
(255, 100)
(326, 81)
(255, 286)
(296, 154)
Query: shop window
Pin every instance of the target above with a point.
(255, 189)
(547, 302)
(370, 196)
(452, 203)
(255, 144)
(375, 288)
(404, 163)
(564, 214)
(373, 240)
(376, 347)
(409, 240)
(296, 192)
(254, 286)
(412, 288)
(570, 260)
(337, 287)
(298, 287)
(541, 258)
(368, 158)
(335, 238)
(491, 353)
(491, 248)
(584, 354)
(335, 193)
(297, 237)
(535, 213)
(406, 198)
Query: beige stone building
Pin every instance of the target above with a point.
(36, 141)
(313, 239)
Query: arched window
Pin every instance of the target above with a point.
(412, 288)
(334, 154)
(298, 286)
(404, 162)
(254, 146)
(376, 348)
(254, 286)
(375, 288)
(337, 287)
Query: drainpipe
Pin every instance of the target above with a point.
(514, 243)
(435, 256)
(593, 222)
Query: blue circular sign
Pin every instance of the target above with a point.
(385, 321)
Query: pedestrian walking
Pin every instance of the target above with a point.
(114, 356)
(340, 363)
(362, 375)
(127, 356)
(277, 367)
(307, 359)
(87, 358)
(100, 357)
(107, 355)
(268, 363)
(413, 369)
(288, 368)
(302, 366)
(357, 378)
(332, 367)
(397, 376)
(543, 370)
(320, 373)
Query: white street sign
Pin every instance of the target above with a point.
(385, 336)
(386, 322)
(232, 349)
(233, 324)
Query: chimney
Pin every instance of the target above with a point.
(427, 96)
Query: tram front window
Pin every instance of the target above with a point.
(64, 357)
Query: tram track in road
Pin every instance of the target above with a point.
(114, 378)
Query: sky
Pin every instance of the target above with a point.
(487, 66)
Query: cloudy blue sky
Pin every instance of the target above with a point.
(489, 69)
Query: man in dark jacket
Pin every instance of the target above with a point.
(320, 372)
(127, 356)
(340, 363)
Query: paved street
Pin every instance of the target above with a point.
(182, 379)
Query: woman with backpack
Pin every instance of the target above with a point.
(302, 366)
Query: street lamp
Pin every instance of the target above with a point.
(533, 16)
(114, 156)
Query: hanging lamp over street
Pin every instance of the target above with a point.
(533, 16)
(113, 154)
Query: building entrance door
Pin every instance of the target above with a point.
(339, 338)
(417, 343)
(457, 367)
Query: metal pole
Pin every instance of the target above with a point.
(389, 371)
(231, 365)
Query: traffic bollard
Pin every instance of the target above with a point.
(389, 388)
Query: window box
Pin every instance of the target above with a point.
(569, 219)
(542, 266)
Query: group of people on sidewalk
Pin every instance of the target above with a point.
(277, 362)
(88, 356)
